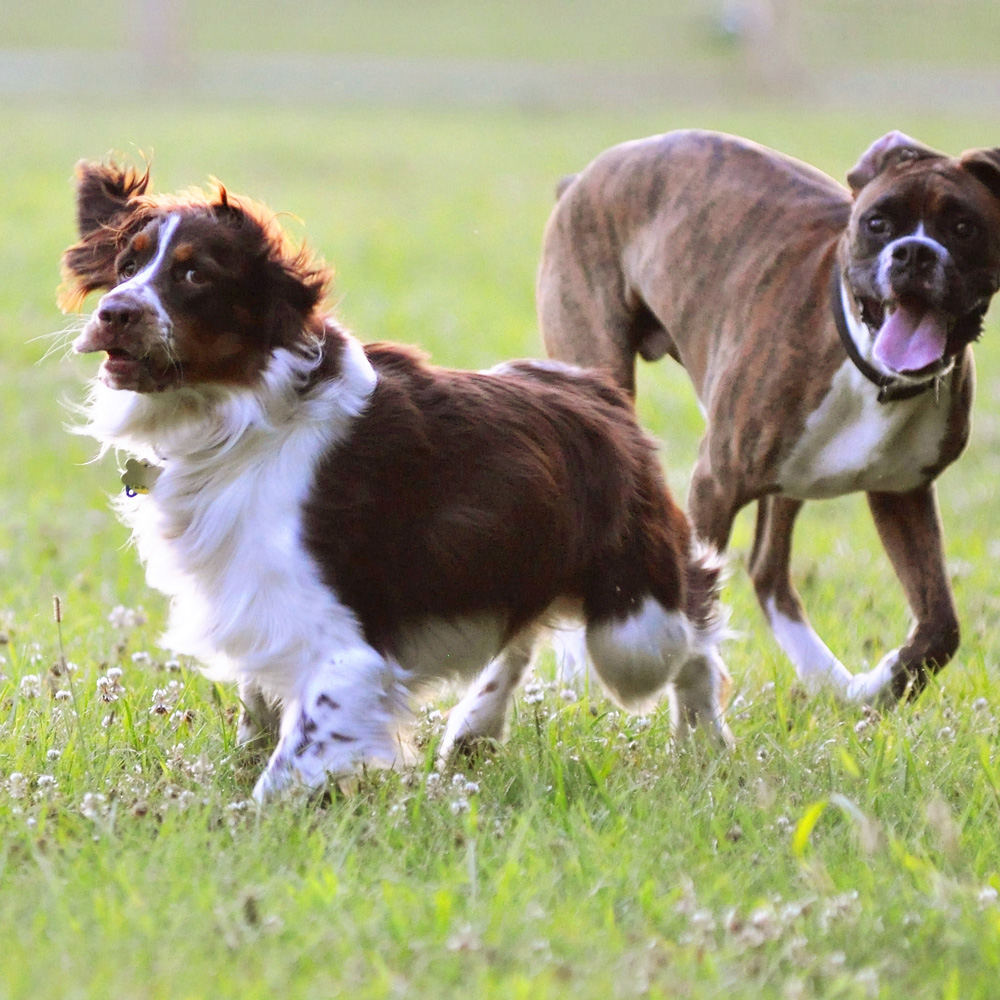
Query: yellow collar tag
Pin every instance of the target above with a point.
(139, 476)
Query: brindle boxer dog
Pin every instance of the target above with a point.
(827, 333)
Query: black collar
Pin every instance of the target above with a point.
(889, 389)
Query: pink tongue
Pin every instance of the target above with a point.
(910, 340)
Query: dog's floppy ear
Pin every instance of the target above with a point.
(984, 165)
(105, 209)
(295, 279)
(893, 148)
(104, 190)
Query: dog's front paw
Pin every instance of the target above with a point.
(882, 686)
(471, 727)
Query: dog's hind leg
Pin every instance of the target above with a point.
(482, 713)
(815, 664)
(700, 691)
(637, 655)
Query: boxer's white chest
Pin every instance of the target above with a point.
(853, 442)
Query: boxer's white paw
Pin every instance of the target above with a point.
(875, 687)
(817, 667)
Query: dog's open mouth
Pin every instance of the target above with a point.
(911, 336)
(119, 362)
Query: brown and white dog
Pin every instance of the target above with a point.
(339, 525)
(827, 333)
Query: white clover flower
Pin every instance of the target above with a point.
(201, 768)
(184, 799)
(867, 979)
(979, 705)
(46, 782)
(471, 788)
(53, 754)
(90, 807)
(63, 694)
(568, 694)
(988, 896)
(31, 686)
(460, 805)
(835, 961)
(124, 618)
(110, 687)
(141, 656)
(165, 698)
(533, 693)
(17, 785)
(795, 989)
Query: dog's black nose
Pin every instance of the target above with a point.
(120, 314)
(915, 255)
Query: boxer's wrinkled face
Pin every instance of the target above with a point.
(923, 251)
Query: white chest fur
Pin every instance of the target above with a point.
(853, 442)
(221, 530)
(224, 540)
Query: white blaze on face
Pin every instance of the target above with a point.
(139, 288)
(885, 257)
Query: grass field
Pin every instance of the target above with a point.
(832, 854)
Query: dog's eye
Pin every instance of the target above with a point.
(877, 225)
(965, 229)
(195, 277)
(127, 268)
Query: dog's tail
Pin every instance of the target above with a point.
(706, 573)
(705, 576)
(563, 183)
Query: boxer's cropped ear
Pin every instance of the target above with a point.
(984, 165)
(892, 148)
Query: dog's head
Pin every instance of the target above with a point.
(923, 250)
(200, 287)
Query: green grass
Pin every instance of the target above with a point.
(828, 856)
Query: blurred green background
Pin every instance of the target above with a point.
(536, 53)
(416, 146)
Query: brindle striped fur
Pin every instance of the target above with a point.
(720, 253)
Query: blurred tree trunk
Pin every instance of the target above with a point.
(160, 39)
(772, 45)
